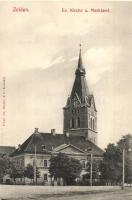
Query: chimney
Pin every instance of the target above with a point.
(53, 131)
(36, 130)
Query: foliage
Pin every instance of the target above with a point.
(62, 166)
(10, 166)
(126, 143)
(96, 164)
(29, 172)
(5, 164)
(95, 168)
(16, 171)
(111, 168)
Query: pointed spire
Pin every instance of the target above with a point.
(80, 64)
(80, 69)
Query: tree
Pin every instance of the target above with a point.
(15, 170)
(111, 168)
(29, 172)
(126, 143)
(95, 170)
(74, 171)
(5, 164)
(10, 166)
(62, 166)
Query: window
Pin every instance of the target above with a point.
(93, 124)
(72, 123)
(45, 163)
(45, 177)
(78, 122)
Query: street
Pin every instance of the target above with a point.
(115, 195)
(64, 193)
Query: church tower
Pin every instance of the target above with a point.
(80, 114)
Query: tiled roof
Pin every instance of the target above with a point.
(6, 150)
(51, 141)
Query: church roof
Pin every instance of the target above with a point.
(80, 88)
(80, 68)
(46, 142)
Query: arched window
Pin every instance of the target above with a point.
(91, 123)
(95, 124)
(78, 122)
(72, 122)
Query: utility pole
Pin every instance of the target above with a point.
(35, 175)
(91, 166)
(123, 168)
(91, 169)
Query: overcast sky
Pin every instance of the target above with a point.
(38, 57)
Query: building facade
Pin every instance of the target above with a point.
(79, 138)
(80, 113)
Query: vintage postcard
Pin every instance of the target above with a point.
(65, 93)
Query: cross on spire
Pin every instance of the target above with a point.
(80, 45)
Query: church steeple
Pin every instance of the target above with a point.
(80, 114)
(80, 89)
(80, 69)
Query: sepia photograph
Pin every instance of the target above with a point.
(65, 100)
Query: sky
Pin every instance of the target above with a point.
(38, 57)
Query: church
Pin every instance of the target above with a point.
(79, 137)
